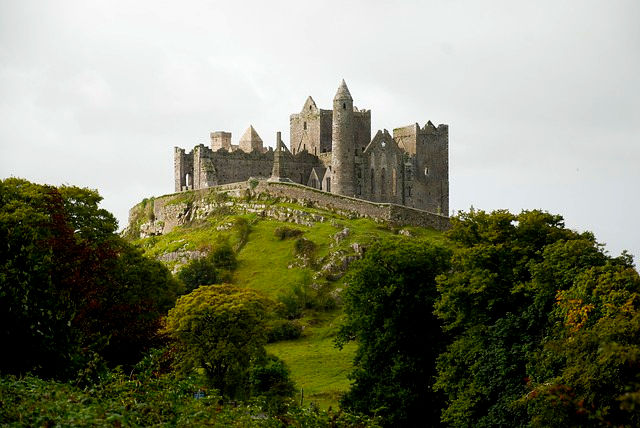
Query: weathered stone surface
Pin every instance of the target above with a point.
(170, 211)
(340, 236)
(332, 150)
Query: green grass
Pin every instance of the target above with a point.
(269, 264)
(318, 368)
(263, 263)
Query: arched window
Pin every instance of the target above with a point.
(372, 182)
(383, 189)
(394, 182)
(304, 126)
(344, 106)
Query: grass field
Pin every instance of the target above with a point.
(318, 368)
(269, 264)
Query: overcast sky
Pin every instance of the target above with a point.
(542, 98)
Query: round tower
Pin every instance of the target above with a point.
(343, 171)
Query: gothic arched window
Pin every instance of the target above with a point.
(372, 181)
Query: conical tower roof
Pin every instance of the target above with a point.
(250, 135)
(343, 92)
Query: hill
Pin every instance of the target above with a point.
(291, 250)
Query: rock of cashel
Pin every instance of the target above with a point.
(331, 154)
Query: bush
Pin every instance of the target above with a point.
(295, 301)
(302, 296)
(223, 255)
(242, 227)
(270, 379)
(304, 247)
(285, 232)
(212, 269)
(144, 398)
(198, 272)
(283, 330)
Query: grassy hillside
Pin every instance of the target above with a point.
(277, 266)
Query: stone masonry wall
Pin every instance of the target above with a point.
(394, 214)
(166, 212)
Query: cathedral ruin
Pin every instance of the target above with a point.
(332, 150)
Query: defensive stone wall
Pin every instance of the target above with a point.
(160, 215)
(392, 213)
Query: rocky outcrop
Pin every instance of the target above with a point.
(160, 215)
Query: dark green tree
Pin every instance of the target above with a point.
(70, 288)
(270, 379)
(198, 272)
(215, 268)
(389, 312)
(588, 371)
(498, 302)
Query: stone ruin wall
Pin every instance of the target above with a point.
(382, 176)
(297, 168)
(207, 168)
(427, 167)
(239, 166)
(166, 212)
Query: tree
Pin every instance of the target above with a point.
(499, 302)
(70, 288)
(198, 272)
(588, 371)
(388, 306)
(270, 379)
(212, 269)
(220, 329)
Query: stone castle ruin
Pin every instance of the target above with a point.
(332, 150)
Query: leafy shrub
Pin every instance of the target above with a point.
(144, 398)
(216, 267)
(198, 272)
(242, 227)
(296, 300)
(304, 247)
(283, 330)
(223, 255)
(304, 296)
(221, 330)
(285, 232)
(270, 379)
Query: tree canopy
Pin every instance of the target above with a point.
(222, 330)
(389, 311)
(530, 305)
(70, 288)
